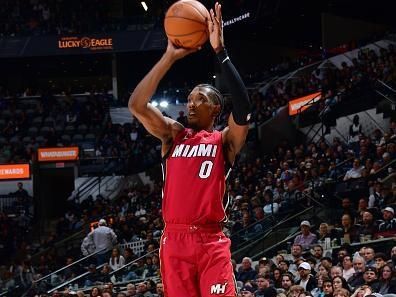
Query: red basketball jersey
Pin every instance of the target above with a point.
(194, 179)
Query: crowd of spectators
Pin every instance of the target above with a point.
(38, 17)
(333, 83)
(259, 187)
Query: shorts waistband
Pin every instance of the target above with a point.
(191, 228)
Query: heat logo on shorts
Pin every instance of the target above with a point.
(218, 289)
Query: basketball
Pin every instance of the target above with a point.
(186, 24)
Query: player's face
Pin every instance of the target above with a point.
(200, 109)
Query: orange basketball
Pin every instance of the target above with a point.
(186, 23)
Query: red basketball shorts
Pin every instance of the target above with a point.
(196, 262)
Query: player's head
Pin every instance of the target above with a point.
(204, 105)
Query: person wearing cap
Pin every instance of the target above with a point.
(307, 281)
(263, 287)
(306, 239)
(247, 291)
(103, 239)
(389, 222)
(370, 277)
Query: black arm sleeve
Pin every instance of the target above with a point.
(239, 96)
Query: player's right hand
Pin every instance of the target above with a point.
(176, 53)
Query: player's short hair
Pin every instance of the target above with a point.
(214, 95)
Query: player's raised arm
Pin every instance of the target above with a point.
(156, 124)
(234, 135)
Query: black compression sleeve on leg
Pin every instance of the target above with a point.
(239, 96)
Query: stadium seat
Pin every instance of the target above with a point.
(14, 139)
(40, 139)
(26, 139)
(32, 131)
(82, 128)
(69, 130)
(37, 121)
(77, 138)
(66, 138)
(44, 130)
(90, 137)
(49, 121)
(59, 129)
(6, 114)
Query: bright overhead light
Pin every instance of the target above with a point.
(154, 103)
(164, 104)
(145, 7)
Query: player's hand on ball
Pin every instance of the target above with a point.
(215, 25)
(177, 53)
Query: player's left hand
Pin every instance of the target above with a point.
(215, 25)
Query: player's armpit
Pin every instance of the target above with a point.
(234, 137)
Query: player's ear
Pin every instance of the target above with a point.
(216, 110)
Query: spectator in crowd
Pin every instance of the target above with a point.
(340, 283)
(93, 276)
(380, 260)
(142, 290)
(130, 290)
(307, 281)
(247, 291)
(355, 129)
(341, 293)
(368, 256)
(306, 239)
(103, 239)
(264, 288)
(356, 279)
(347, 267)
(389, 222)
(335, 271)
(159, 290)
(349, 232)
(87, 246)
(327, 287)
(355, 172)
(287, 282)
(246, 272)
(368, 227)
(370, 277)
(387, 281)
(116, 260)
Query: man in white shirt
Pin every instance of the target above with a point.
(104, 239)
(355, 171)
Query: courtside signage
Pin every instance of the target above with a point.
(58, 154)
(300, 104)
(14, 171)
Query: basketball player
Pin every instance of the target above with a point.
(195, 254)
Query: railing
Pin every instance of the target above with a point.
(136, 246)
(7, 202)
(71, 281)
(70, 265)
(270, 230)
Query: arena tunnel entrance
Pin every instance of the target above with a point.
(53, 185)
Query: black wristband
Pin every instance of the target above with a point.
(222, 56)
